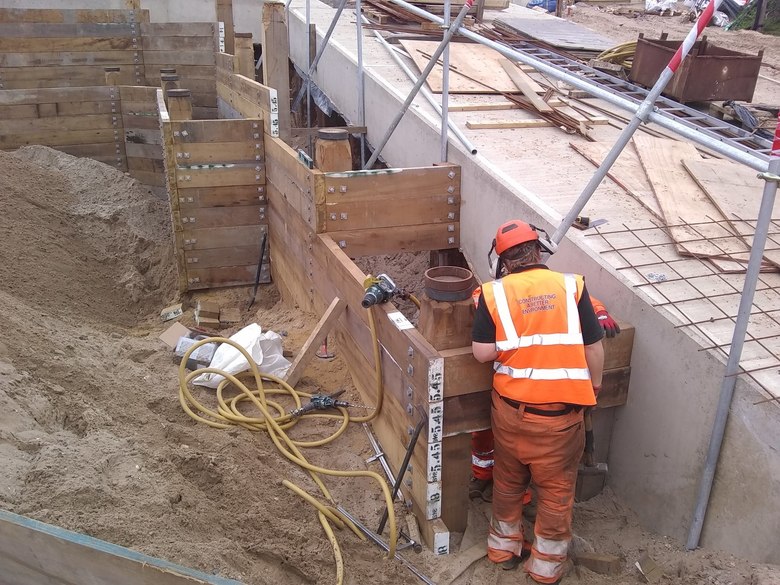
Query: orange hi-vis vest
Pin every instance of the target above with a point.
(541, 357)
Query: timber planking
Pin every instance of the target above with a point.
(71, 16)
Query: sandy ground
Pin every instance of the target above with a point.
(92, 436)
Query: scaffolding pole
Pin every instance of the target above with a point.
(361, 81)
(426, 94)
(445, 87)
(423, 76)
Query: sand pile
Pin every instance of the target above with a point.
(79, 234)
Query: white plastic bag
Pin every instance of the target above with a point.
(659, 6)
(265, 349)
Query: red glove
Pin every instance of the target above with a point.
(611, 328)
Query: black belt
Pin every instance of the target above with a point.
(530, 409)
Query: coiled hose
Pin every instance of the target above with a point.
(228, 414)
(622, 54)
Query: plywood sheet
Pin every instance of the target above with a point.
(559, 33)
(737, 192)
(694, 222)
(626, 172)
(476, 61)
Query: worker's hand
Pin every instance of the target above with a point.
(611, 328)
(596, 390)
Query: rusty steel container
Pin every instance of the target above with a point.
(709, 73)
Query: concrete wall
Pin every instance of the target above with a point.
(661, 435)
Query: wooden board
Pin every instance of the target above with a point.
(228, 237)
(223, 257)
(65, 94)
(200, 278)
(526, 85)
(507, 124)
(210, 217)
(35, 552)
(156, 60)
(683, 202)
(49, 59)
(223, 152)
(187, 132)
(409, 208)
(221, 196)
(391, 240)
(474, 60)
(71, 16)
(220, 176)
(626, 172)
(55, 139)
(736, 191)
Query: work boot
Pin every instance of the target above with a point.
(481, 488)
(512, 563)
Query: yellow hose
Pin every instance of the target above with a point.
(228, 414)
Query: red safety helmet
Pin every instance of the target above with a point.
(512, 233)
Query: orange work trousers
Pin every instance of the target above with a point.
(547, 451)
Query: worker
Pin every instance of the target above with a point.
(481, 484)
(540, 329)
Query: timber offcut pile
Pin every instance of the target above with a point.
(709, 206)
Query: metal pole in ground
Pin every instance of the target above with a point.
(318, 55)
(445, 87)
(361, 81)
(640, 117)
(426, 94)
(772, 176)
(423, 76)
(754, 160)
(306, 81)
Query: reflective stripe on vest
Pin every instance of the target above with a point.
(572, 337)
(540, 374)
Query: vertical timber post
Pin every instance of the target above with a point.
(276, 62)
(244, 57)
(180, 104)
(225, 15)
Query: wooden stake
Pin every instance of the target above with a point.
(332, 314)
(180, 104)
(245, 55)
(276, 62)
(225, 15)
(521, 80)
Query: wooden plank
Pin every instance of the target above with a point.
(200, 278)
(69, 74)
(155, 60)
(179, 29)
(57, 138)
(315, 340)
(85, 108)
(736, 191)
(53, 96)
(99, 150)
(185, 43)
(225, 15)
(463, 374)
(507, 124)
(221, 196)
(225, 62)
(683, 202)
(34, 552)
(415, 238)
(409, 208)
(205, 131)
(456, 473)
(298, 185)
(618, 349)
(71, 16)
(220, 176)
(387, 184)
(143, 122)
(476, 61)
(49, 59)
(143, 136)
(144, 150)
(248, 89)
(614, 387)
(148, 165)
(222, 152)
(223, 256)
(276, 57)
(21, 30)
(491, 107)
(139, 108)
(131, 93)
(526, 86)
(38, 45)
(210, 217)
(626, 172)
(18, 112)
(228, 237)
(245, 107)
(466, 413)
